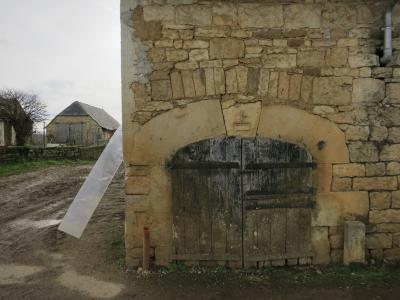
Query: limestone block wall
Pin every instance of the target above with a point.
(251, 57)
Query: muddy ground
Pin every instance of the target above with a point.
(38, 262)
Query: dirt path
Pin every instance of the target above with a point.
(48, 264)
(38, 262)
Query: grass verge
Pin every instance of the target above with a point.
(27, 166)
(330, 276)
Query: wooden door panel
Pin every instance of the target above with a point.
(62, 133)
(233, 215)
(178, 226)
(278, 230)
(191, 208)
(205, 229)
(218, 211)
(76, 133)
(212, 204)
(241, 200)
(265, 219)
(276, 186)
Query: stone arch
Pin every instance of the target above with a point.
(162, 136)
(321, 137)
(148, 184)
(325, 141)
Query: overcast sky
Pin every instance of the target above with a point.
(63, 50)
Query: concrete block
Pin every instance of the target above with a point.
(354, 242)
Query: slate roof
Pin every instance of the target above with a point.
(97, 114)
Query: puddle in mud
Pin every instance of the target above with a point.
(12, 274)
(89, 285)
(25, 223)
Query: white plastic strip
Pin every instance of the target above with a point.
(93, 189)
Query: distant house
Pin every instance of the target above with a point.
(7, 132)
(81, 124)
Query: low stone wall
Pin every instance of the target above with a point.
(18, 154)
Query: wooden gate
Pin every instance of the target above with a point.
(242, 202)
(70, 133)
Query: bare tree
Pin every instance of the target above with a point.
(23, 110)
(30, 103)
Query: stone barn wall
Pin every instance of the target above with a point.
(302, 71)
(91, 131)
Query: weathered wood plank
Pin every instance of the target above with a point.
(234, 201)
(192, 207)
(205, 213)
(278, 231)
(218, 226)
(293, 232)
(233, 217)
(279, 165)
(280, 257)
(263, 205)
(216, 186)
(264, 231)
(178, 212)
(202, 257)
(206, 165)
(250, 181)
(200, 152)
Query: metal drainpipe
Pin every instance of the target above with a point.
(388, 48)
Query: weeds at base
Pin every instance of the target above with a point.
(354, 275)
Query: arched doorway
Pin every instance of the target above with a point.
(242, 202)
(148, 183)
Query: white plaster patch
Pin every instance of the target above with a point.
(12, 274)
(89, 285)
